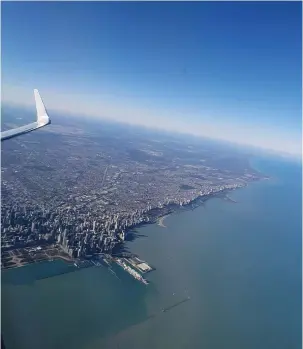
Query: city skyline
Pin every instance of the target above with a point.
(227, 71)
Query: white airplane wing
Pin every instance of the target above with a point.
(42, 120)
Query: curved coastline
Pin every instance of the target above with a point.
(158, 215)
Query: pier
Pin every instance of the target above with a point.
(132, 272)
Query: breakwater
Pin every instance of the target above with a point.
(175, 304)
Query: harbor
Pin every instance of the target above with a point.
(129, 262)
(132, 265)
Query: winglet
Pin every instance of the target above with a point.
(42, 120)
(42, 117)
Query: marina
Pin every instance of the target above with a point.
(107, 260)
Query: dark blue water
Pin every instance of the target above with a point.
(240, 264)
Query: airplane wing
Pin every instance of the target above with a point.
(42, 120)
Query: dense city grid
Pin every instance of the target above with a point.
(82, 185)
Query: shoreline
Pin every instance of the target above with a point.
(175, 208)
(160, 221)
(152, 217)
(66, 259)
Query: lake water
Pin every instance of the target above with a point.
(240, 263)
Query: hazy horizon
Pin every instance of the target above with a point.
(245, 148)
(227, 71)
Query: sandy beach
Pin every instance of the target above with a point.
(161, 221)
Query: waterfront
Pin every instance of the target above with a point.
(239, 263)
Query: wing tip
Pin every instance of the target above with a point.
(42, 115)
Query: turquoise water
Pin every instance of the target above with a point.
(240, 264)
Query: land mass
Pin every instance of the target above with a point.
(82, 187)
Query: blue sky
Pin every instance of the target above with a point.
(225, 70)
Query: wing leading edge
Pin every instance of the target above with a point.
(42, 120)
